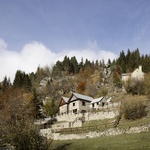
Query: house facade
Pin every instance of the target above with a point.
(63, 105)
(79, 103)
(97, 103)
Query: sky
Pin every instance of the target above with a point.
(39, 32)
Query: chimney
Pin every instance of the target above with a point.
(140, 68)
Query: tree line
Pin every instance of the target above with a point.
(131, 60)
(69, 66)
(88, 76)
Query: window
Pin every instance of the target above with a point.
(73, 104)
(97, 103)
(83, 111)
(75, 111)
(92, 105)
(103, 104)
(83, 104)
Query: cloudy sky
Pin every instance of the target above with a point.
(39, 32)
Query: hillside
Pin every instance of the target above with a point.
(37, 95)
(95, 79)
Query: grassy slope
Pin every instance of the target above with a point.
(138, 141)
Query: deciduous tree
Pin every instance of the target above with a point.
(17, 113)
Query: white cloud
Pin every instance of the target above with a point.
(34, 54)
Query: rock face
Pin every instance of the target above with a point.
(109, 132)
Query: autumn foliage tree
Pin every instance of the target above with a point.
(117, 76)
(81, 87)
(17, 112)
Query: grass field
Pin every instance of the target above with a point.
(138, 141)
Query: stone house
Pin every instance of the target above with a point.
(78, 103)
(137, 74)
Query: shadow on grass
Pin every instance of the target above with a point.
(63, 147)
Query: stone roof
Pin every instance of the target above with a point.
(109, 99)
(83, 97)
(97, 100)
(65, 99)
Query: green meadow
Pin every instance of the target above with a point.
(138, 141)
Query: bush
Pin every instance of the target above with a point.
(147, 84)
(28, 138)
(102, 92)
(135, 87)
(133, 108)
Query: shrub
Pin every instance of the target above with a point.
(147, 84)
(133, 108)
(102, 92)
(28, 138)
(134, 87)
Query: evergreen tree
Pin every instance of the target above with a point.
(5, 84)
(87, 63)
(135, 59)
(66, 64)
(109, 62)
(128, 61)
(22, 80)
(75, 67)
(122, 61)
(145, 61)
(81, 65)
(96, 64)
(18, 79)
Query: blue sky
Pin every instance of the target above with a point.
(56, 28)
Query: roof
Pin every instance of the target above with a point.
(65, 99)
(126, 74)
(97, 100)
(83, 97)
(109, 99)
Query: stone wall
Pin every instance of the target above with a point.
(109, 132)
(108, 111)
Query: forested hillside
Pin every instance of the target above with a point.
(94, 78)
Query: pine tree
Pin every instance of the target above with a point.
(66, 64)
(122, 61)
(128, 61)
(75, 67)
(22, 80)
(5, 84)
(18, 79)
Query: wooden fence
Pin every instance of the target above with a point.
(84, 129)
(98, 128)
